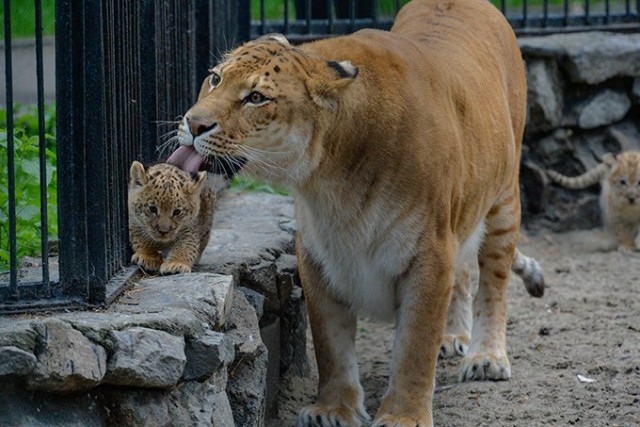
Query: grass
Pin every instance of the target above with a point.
(243, 183)
(23, 18)
(27, 173)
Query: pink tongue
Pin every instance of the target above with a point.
(186, 158)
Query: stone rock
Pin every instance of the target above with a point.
(145, 357)
(264, 232)
(192, 404)
(635, 90)
(15, 361)
(588, 57)
(246, 388)
(293, 348)
(261, 278)
(536, 186)
(256, 300)
(572, 214)
(545, 100)
(270, 334)
(207, 354)
(287, 277)
(17, 333)
(28, 408)
(248, 372)
(605, 108)
(67, 361)
(207, 295)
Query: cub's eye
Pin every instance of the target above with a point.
(255, 98)
(214, 80)
(176, 212)
(153, 209)
(623, 182)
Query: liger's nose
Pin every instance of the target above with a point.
(198, 125)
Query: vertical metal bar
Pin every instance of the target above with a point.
(352, 15)
(565, 7)
(587, 12)
(545, 13)
(44, 218)
(525, 13)
(374, 13)
(263, 19)
(13, 258)
(397, 6)
(331, 19)
(70, 103)
(307, 16)
(503, 7)
(286, 16)
(607, 11)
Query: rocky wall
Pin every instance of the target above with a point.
(583, 101)
(199, 349)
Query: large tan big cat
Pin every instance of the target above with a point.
(170, 217)
(402, 149)
(619, 178)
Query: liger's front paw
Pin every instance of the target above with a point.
(147, 261)
(484, 366)
(454, 345)
(331, 416)
(172, 267)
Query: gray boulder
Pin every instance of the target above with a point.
(145, 357)
(67, 361)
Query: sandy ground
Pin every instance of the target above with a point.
(588, 324)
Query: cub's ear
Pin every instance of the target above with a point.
(138, 176)
(199, 178)
(276, 37)
(330, 79)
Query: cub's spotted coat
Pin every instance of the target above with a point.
(619, 178)
(170, 217)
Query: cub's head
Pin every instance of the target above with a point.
(163, 199)
(264, 108)
(624, 179)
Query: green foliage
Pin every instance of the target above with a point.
(23, 18)
(27, 180)
(245, 184)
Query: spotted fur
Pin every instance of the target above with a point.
(402, 149)
(170, 217)
(619, 178)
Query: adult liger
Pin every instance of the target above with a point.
(402, 149)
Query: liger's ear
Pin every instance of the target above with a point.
(137, 174)
(276, 37)
(330, 79)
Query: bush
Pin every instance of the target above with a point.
(27, 182)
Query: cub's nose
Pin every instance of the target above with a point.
(199, 125)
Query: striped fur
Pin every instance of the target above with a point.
(402, 149)
(170, 217)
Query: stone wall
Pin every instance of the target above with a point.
(583, 101)
(198, 349)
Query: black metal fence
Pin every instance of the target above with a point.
(124, 72)
(303, 20)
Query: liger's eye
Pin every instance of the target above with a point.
(153, 209)
(176, 212)
(214, 80)
(255, 98)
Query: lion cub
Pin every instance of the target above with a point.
(170, 217)
(619, 177)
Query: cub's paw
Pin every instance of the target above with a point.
(331, 416)
(147, 261)
(484, 366)
(454, 345)
(173, 267)
(394, 421)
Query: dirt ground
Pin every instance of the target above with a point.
(587, 324)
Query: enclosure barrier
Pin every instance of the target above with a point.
(125, 71)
